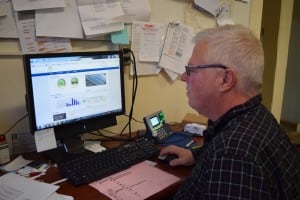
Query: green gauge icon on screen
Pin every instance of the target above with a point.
(74, 81)
(61, 83)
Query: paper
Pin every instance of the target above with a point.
(224, 17)
(198, 20)
(53, 22)
(30, 44)
(56, 196)
(45, 139)
(20, 5)
(146, 68)
(136, 183)
(136, 10)
(100, 16)
(16, 187)
(94, 146)
(172, 75)
(211, 6)
(16, 164)
(178, 47)
(8, 28)
(120, 37)
(150, 44)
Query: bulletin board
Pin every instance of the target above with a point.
(161, 11)
(154, 93)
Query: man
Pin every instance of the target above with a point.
(246, 155)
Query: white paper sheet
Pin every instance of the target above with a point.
(211, 6)
(16, 187)
(59, 22)
(16, 164)
(45, 139)
(172, 75)
(30, 44)
(56, 196)
(136, 10)
(8, 28)
(145, 68)
(177, 48)
(150, 43)
(99, 17)
(37, 4)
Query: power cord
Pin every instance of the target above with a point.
(134, 119)
(15, 124)
(127, 51)
(107, 138)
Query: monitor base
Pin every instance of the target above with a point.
(70, 149)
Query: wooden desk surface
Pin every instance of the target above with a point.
(85, 192)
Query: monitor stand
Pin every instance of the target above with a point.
(67, 150)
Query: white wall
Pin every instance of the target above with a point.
(154, 92)
(290, 107)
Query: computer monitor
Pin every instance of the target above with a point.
(74, 93)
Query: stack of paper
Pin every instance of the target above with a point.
(157, 46)
(16, 187)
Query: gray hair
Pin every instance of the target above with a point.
(236, 46)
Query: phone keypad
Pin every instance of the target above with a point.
(161, 134)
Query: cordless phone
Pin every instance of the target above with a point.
(157, 127)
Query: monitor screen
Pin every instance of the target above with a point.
(74, 92)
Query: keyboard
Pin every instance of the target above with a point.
(84, 170)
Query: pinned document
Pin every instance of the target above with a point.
(140, 31)
(177, 48)
(8, 27)
(100, 17)
(139, 10)
(53, 22)
(30, 44)
(210, 6)
(20, 5)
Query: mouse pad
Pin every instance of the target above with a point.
(179, 139)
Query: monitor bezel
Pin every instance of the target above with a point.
(72, 129)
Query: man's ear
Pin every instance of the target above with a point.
(229, 79)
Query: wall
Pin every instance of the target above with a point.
(269, 37)
(154, 92)
(285, 20)
(276, 26)
(290, 107)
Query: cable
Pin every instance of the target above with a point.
(126, 58)
(107, 138)
(134, 90)
(136, 120)
(16, 123)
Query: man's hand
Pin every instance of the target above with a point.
(185, 156)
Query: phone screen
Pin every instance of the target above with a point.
(154, 121)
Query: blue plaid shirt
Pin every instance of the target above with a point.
(246, 155)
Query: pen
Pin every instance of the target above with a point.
(189, 144)
(59, 181)
(196, 147)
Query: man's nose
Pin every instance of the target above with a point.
(184, 76)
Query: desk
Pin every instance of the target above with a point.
(86, 192)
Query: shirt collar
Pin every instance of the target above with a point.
(214, 126)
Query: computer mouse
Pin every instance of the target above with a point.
(167, 157)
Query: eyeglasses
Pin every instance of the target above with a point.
(189, 69)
